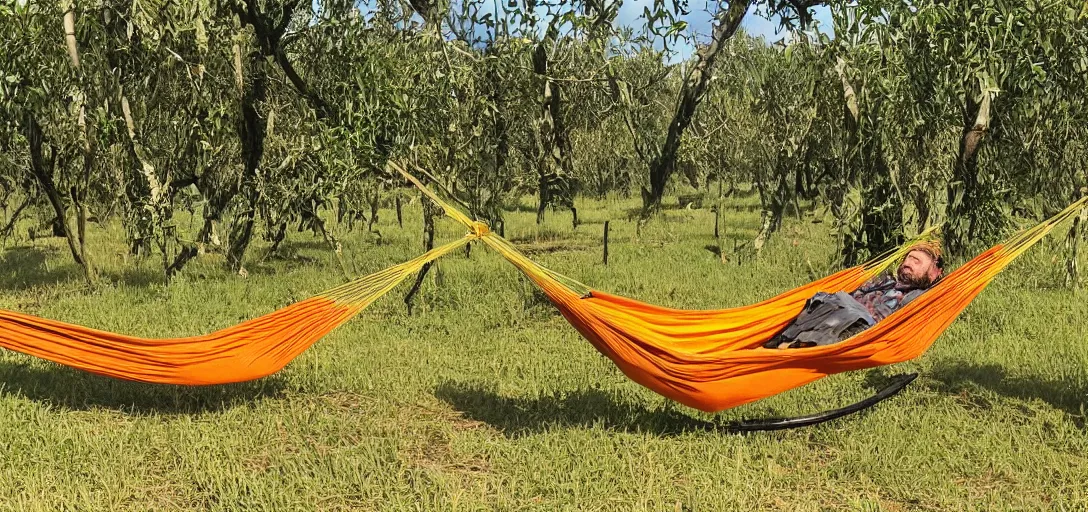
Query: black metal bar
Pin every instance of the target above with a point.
(898, 383)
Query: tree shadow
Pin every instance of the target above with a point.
(519, 417)
(140, 277)
(74, 390)
(636, 212)
(292, 247)
(733, 244)
(24, 267)
(549, 247)
(745, 208)
(961, 377)
(519, 207)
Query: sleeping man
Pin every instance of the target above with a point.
(832, 317)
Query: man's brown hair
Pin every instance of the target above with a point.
(933, 249)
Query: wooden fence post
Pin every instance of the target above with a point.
(606, 242)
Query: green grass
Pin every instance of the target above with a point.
(487, 399)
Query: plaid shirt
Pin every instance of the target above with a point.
(883, 295)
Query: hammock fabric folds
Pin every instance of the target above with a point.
(709, 360)
(246, 351)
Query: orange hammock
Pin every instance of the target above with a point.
(714, 360)
(246, 351)
(709, 360)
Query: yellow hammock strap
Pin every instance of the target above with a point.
(1026, 238)
(480, 230)
(871, 268)
(361, 292)
(451, 212)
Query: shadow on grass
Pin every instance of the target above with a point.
(293, 246)
(520, 207)
(518, 417)
(74, 390)
(137, 277)
(960, 377)
(636, 212)
(26, 267)
(732, 244)
(554, 246)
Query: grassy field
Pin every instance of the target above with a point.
(486, 399)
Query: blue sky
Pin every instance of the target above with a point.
(699, 23)
(758, 25)
(699, 20)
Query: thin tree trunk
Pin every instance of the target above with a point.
(278, 238)
(251, 131)
(374, 200)
(334, 244)
(542, 198)
(691, 94)
(882, 209)
(206, 236)
(718, 214)
(400, 216)
(43, 173)
(765, 215)
(157, 193)
(963, 190)
(78, 193)
(430, 211)
(556, 167)
(1072, 268)
(9, 229)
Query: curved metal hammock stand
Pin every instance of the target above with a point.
(898, 383)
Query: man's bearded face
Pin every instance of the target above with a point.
(918, 270)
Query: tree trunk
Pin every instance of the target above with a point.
(430, 211)
(882, 210)
(400, 216)
(691, 94)
(922, 206)
(845, 176)
(42, 171)
(556, 167)
(205, 237)
(963, 190)
(278, 238)
(158, 197)
(77, 241)
(9, 229)
(881, 206)
(374, 200)
(766, 227)
(333, 242)
(251, 131)
(1072, 276)
(542, 197)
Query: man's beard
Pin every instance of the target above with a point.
(922, 281)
